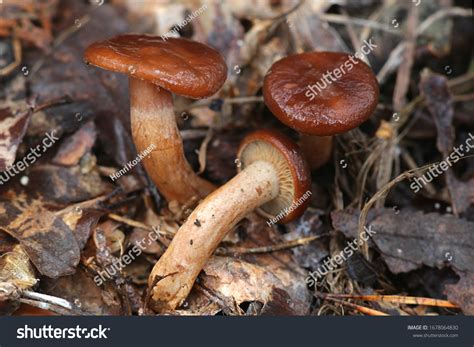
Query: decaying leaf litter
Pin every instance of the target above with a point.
(63, 221)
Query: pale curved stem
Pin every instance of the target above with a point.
(174, 274)
(317, 149)
(153, 123)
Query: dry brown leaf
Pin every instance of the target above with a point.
(408, 239)
(439, 101)
(47, 239)
(16, 269)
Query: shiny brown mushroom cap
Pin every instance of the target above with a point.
(182, 66)
(342, 102)
(293, 172)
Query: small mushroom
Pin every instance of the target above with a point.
(156, 69)
(320, 94)
(273, 177)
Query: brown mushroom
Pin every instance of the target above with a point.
(157, 68)
(273, 177)
(320, 94)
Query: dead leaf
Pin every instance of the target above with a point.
(439, 102)
(65, 185)
(46, 239)
(408, 240)
(82, 290)
(16, 269)
(242, 282)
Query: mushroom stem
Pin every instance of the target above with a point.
(174, 274)
(317, 149)
(154, 122)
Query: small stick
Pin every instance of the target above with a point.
(46, 306)
(379, 195)
(271, 248)
(66, 99)
(202, 153)
(135, 224)
(362, 309)
(463, 97)
(412, 165)
(48, 298)
(338, 19)
(44, 301)
(408, 300)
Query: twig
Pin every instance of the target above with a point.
(52, 300)
(135, 224)
(352, 34)
(398, 299)
(379, 195)
(340, 19)
(202, 154)
(463, 97)
(53, 102)
(362, 309)
(406, 156)
(402, 82)
(366, 30)
(268, 249)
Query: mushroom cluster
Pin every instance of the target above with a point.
(273, 175)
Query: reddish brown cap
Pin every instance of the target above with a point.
(181, 66)
(321, 93)
(293, 172)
